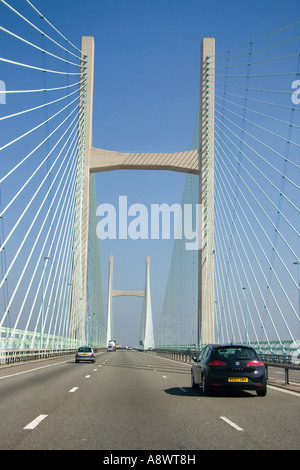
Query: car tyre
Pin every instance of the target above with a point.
(262, 392)
(205, 387)
(193, 383)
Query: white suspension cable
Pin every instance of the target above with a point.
(30, 228)
(261, 248)
(263, 210)
(37, 168)
(41, 89)
(226, 197)
(33, 67)
(264, 144)
(7, 31)
(223, 99)
(34, 129)
(50, 24)
(42, 251)
(29, 204)
(71, 177)
(45, 105)
(255, 166)
(37, 29)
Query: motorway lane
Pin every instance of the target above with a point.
(130, 400)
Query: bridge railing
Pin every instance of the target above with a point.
(8, 356)
(19, 355)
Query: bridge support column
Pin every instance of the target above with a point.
(109, 328)
(82, 203)
(147, 335)
(206, 194)
(146, 329)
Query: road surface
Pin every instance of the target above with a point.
(130, 400)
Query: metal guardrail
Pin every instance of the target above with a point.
(270, 360)
(8, 356)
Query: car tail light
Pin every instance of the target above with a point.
(255, 364)
(76, 354)
(92, 354)
(217, 363)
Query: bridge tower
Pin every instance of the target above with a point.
(199, 162)
(146, 330)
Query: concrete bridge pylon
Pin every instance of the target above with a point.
(146, 340)
(199, 162)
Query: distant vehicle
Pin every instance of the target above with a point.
(228, 367)
(112, 345)
(85, 353)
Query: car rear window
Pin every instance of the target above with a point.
(84, 349)
(234, 352)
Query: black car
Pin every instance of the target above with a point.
(228, 367)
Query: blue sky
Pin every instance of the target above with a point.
(146, 92)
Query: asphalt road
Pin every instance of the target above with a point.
(129, 400)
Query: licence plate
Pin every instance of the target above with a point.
(84, 354)
(237, 379)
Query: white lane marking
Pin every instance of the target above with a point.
(32, 370)
(35, 422)
(290, 392)
(95, 370)
(73, 389)
(164, 377)
(235, 426)
(87, 377)
(180, 388)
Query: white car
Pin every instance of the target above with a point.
(85, 353)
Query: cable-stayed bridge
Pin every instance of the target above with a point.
(241, 284)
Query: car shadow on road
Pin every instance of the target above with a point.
(190, 392)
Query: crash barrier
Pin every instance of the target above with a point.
(18, 355)
(286, 362)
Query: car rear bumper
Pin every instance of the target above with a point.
(235, 380)
(84, 359)
(225, 383)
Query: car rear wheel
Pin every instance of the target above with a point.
(193, 383)
(205, 387)
(262, 392)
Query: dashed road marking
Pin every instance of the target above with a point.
(35, 422)
(235, 426)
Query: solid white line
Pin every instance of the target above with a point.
(164, 377)
(235, 426)
(290, 392)
(73, 389)
(87, 377)
(35, 422)
(32, 370)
